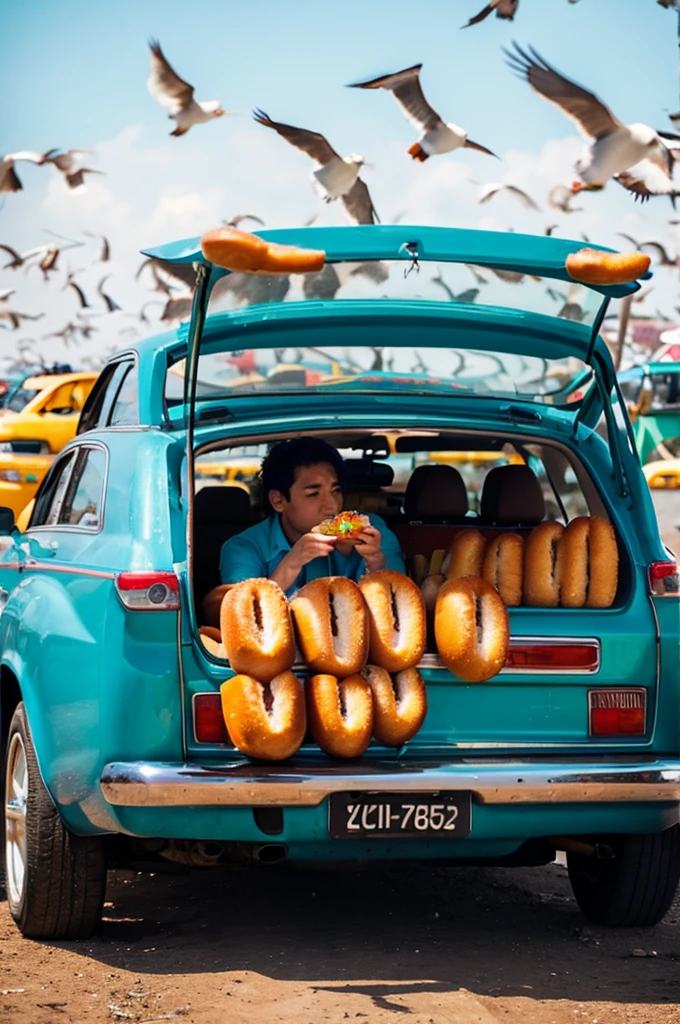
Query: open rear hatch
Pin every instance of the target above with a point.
(413, 343)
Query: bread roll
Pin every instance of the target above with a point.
(212, 602)
(592, 266)
(472, 630)
(265, 720)
(466, 555)
(241, 251)
(399, 704)
(211, 639)
(590, 566)
(331, 625)
(340, 714)
(396, 615)
(256, 629)
(503, 567)
(543, 562)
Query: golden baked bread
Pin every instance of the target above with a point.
(256, 629)
(471, 627)
(246, 253)
(543, 561)
(331, 625)
(399, 704)
(466, 555)
(265, 720)
(396, 616)
(503, 566)
(590, 563)
(592, 266)
(340, 714)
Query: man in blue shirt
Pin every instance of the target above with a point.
(303, 478)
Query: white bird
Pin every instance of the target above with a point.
(176, 95)
(336, 177)
(436, 136)
(560, 198)
(69, 163)
(494, 187)
(503, 8)
(9, 180)
(614, 147)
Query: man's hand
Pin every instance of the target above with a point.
(304, 550)
(368, 545)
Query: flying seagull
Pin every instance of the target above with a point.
(435, 135)
(503, 8)
(69, 163)
(494, 187)
(9, 180)
(560, 198)
(240, 217)
(105, 254)
(614, 147)
(111, 304)
(336, 177)
(176, 95)
(469, 295)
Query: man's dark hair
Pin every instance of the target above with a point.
(278, 468)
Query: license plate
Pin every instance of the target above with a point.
(445, 815)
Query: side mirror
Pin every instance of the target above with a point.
(6, 521)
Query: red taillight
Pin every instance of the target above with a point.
(148, 591)
(209, 725)
(580, 656)
(663, 579)
(617, 712)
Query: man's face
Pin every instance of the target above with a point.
(315, 495)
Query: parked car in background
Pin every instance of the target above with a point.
(39, 417)
(652, 393)
(114, 739)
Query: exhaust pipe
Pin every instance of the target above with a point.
(270, 853)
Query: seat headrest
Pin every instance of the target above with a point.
(435, 492)
(225, 504)
(367, 475)
(512, 495)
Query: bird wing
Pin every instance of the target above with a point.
(359, 205)
(484, 13)
(405, 85)
(235, 221)
(13, 253)
(80, 293)
(29, 154)
(66, 161)
(493, 187)
(647, 179)
(312, 143)
(592, 117)
(629, 238)
(9, 179)
(165, 85)
(660, 251)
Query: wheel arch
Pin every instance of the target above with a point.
(10, 696)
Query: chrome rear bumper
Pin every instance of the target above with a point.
(239, 784)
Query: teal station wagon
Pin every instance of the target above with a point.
(111, 730)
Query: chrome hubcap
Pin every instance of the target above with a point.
(16, 794)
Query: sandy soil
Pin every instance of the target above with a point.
(443, 946)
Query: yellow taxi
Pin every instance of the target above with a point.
(39, 418)
(662, 474)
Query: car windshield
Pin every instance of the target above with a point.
(416, 369)
(20, 399)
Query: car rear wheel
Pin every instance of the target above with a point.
(55, 880)
(635, 887)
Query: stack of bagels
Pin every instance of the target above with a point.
(555, 566)
(361, 644)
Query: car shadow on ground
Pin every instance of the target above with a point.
(509, 932)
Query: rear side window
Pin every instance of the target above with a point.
(51, 492)
(84, 498)
(103, 396)
(125, 410)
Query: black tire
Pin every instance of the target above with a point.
(633, 889)
(62, 893)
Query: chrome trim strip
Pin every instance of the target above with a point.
(236, 783)
(72, 570)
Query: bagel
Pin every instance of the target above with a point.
(471, 629)
(590, 564)
(543, 564)
(331, 626)
(346, 525)
(211, 639)
(340, 714)
(256, 629)
(466, 555)
(399, 704)
(265, 720)
(593, 266)
(241, 251)
(396, 616)
(212, 602)
(503, 567)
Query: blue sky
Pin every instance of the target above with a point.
(78, 80)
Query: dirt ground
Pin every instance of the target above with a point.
(293, 946)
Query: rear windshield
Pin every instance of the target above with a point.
(20, 399)
(417, 369)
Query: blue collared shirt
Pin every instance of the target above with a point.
(258, 551)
